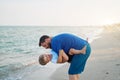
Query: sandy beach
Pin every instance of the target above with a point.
(104, 62)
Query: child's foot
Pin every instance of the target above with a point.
(83, 51)
(71, 51)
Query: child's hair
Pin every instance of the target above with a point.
(41, 60)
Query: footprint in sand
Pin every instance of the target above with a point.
(117, 64)
(107, 72)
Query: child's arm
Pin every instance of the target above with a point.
(62, 57)
(74, 51)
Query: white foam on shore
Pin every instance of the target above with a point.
(94, 35)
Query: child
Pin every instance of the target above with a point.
(54, 58)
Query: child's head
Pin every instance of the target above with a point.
(45, 58)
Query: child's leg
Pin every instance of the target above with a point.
(75, 51)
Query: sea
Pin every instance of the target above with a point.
(19, 49)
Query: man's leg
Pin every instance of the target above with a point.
(78, 76)
(73, 77)
(78, 64)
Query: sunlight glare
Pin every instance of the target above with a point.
(108, 22)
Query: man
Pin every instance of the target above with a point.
(68, 47)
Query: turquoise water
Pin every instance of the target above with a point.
(19, 46)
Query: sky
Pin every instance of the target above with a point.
(59, 12)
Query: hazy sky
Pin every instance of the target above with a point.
(59, 12)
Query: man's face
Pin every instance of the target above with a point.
(46, 44)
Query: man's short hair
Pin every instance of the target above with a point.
(41, 60)
(42, 39)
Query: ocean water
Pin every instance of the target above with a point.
(19, 50)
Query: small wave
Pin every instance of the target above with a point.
(27, 52)
(14, 71)
(18, 50)
(5, 70)
(11, 70)
(94, 35)
(11, 67)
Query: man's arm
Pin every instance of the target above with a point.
(62, 57)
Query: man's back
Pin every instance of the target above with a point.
(66, 41)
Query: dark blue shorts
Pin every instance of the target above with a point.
(78, 62)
